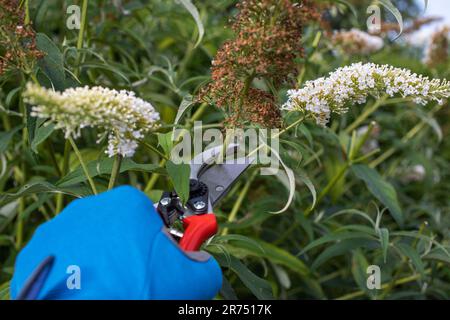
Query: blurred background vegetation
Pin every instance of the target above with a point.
(150, 47)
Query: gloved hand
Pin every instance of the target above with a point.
(120, 245)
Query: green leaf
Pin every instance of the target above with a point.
(283, 276)
(154, 195)
(370, 232)
(42, 187)
(32, 123)
(179, 175)
(415, 235)
(352, 212)
(41, 134)
(333, 166)
(186, 103)
(308, 183)
(227, 290)
(194, 13)
(413, 255)
(104, 166)
(239, 238)
(52, 64)
(384, 240)
(438, 255)
(287, 178)
(338, 236)
(35, 205)
(166, 142)
(6, 137)
(381, 189)
(4, 291)
(350, 6)
(107, 67)
(6, 241)
(305, 131)
(7, 214)
(359, 268)
(11, 97)
(340, 248)
(258, 286)
(282, 257)
(393, 9)
(433, 123)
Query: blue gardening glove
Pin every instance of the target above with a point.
(113, 246)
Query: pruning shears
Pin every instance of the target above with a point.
(210, 180)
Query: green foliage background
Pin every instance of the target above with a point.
(364, 213)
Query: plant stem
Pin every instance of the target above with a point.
(355, 146)
(247, 83)
(65, 169)
(382, 157)
(187, 57)
(83, 165)
(42, 208)
(289, 127)
(51, 152)
(367, 112)
(66, 159)
(115, 171)
(190, 123)
(19, 226)
(81, 36)
(21, 209)
(154, 177)
(238, 203)
(6, 122)
(329, 186)
(292, 125)
(404, 280)
(155, 150)
(403, 263)
(408, 136)
(34, 78)
(27, 12)
(354, 151)
(288, 231)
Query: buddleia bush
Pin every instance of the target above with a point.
(362, 123)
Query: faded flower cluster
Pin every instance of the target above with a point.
(355, 41)
(17, 39)
(120, 115)
(437, 51)
(408, 29)
(267, 41)
(355, 83)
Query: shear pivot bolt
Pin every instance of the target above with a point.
(164, 201)
(199, 205)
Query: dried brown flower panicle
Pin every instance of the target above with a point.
(18, 49)
(266, 45)
(437, 51)
(414, 26)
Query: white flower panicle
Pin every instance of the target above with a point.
(356, 41)
(355, 83)
(121, 115)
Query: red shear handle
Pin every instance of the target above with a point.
(197, 229)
